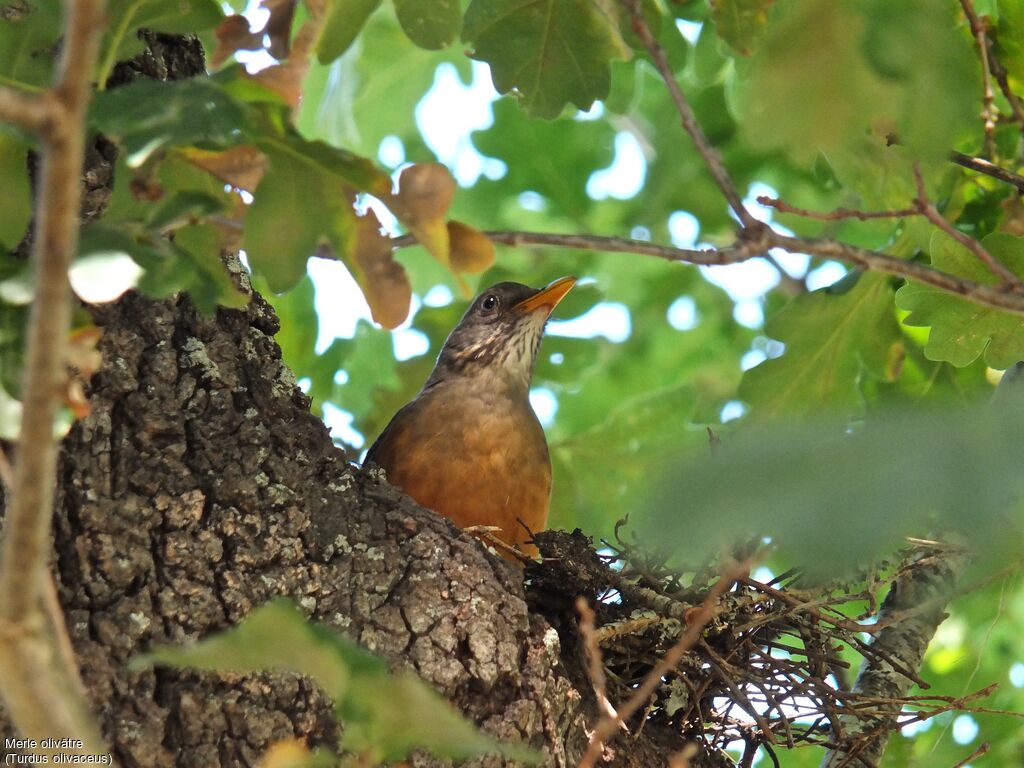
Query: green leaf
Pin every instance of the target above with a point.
(127, 17)
(524, 146)
(297, 204)
(833, 337)
(431, 24)
(553, 52)
(741, 22)
(386, 716)
(1010, 41)
(834, 500)
(15, 193)
(344, 21)
(830, 73)
(147, 115)
(29, 31)
(961, 330)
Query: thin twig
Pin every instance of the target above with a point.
(930, 212)
(989, 169)
(689, 120)
(981, 750)
(839, 213)
(595, 664)
(699, 619)
(703, 257)
(980, 33)
(39, 691)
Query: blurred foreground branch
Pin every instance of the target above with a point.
(38, 681)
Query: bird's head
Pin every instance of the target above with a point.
(500, 334)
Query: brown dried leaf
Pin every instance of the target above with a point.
(241, 167)
(279, 26)
(382, 279)
(234, 34)
(81, 360)
(286, 79)
(471, 250)
(425, 192)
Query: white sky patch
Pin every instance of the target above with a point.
(689, 29)
(596, 110)
(752, 358)
(684, 229)
(734, 409)
(624, 178)
(825, 275)
(1017, 675)
(391, 151)
(449, 112)
(912, 729)
(438, 296)
(409, 343)
(339, 301)
(744, 281)
(532, 201)
(965, 729)
(749, 314)
(606, 318)
(340, 424)
(545, 405)
(102, 277)
(682, 314)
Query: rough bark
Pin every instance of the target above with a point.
(929, 583)
(201, 486)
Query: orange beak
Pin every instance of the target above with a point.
(547, 298)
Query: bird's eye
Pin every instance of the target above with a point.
(489, 303)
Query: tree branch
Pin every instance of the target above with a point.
(703, 256)
(930, 212)
(35, 113)
(830, 249)
(689, 120)
(980, 33)
(38, 687)
(989, 169)
(930, 580)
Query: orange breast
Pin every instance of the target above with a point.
(476, 463)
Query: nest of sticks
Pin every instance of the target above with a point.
(769, 667)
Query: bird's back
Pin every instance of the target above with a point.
(476, 456)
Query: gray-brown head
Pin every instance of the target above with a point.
(500, 334)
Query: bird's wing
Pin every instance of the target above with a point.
(381, 452)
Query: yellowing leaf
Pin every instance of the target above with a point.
(285, 79)
(383, 280)
(471, 250)
(241, 167)
(425, 191)
(290, 753)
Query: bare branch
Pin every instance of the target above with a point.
(703, 257)
(980, 33)
(989, 169)
(689, 120)
(38, 680)
(930, 212)
(838, 214)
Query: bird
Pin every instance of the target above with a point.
(469, 446)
